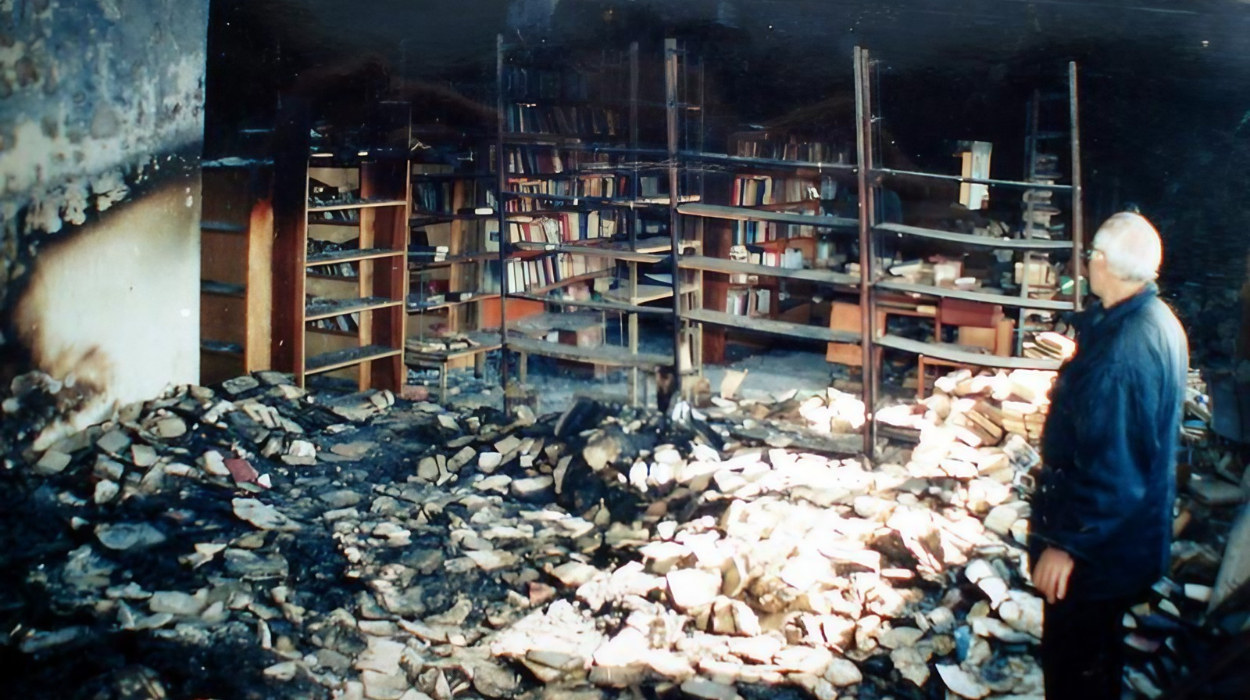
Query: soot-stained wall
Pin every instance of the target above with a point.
(101, 129)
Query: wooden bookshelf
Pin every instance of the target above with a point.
(236, 270)
(765, 227)
(584, 204)
(453, 254)
(340, 253)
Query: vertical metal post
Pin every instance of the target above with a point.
(634, 188)
(1030, 174)
(501, 163)
(867, 216)
(1078, 213)
(674, 219)
(631, 216)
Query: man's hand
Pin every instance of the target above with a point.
(1051, 575)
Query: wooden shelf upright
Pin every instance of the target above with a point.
(236, 270)
(341, 260)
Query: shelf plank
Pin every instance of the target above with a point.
(222, 227)
(330, 361)
(486, 342)
(572, 280)
(354, 255)
(969, 239)
(606, 355)
(988, 298)
(352, 223)
(710, 264)
(615, 251)
(771, 327)
(223, 289)
(313, 209)
(221, 347)
(889, 172)
(593, 304)
(414, 264)
(418, 308)
(716, 211)
(646, 293)
(600, 202)
(421, 218)
(956, 353)
(320, 308)
(769, 163)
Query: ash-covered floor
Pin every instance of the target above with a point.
(255, 541)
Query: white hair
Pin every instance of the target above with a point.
(1132, 247)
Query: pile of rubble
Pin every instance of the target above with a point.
(255, 541)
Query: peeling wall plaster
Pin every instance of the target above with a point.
(87, 100)
(101, 127)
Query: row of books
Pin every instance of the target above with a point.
(749, 302)
(546, 160)
(545, 84)
(562, 228)
(756, 232)
(346, 323)
(335, 270)
(757, 190)
(439, 196)
(790, 258)
(604, 186)
(548, 270)
(811, 151)
(566, 121)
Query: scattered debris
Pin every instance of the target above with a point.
(363, 548)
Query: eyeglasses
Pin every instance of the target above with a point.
(1089, 254)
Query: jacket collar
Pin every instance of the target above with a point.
(1097, 315)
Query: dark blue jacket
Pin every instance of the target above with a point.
(1108, 482)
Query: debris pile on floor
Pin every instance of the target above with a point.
(255, 541)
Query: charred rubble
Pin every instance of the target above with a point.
(252, 540)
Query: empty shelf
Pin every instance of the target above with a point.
(416, 305)
(418, 264)
(314, 208)
(330, 361)
(768, 163)
(968, 180)
(714, 211)
(956, 353)
(606, 355)
(320, 308)
(340, 256)
(614, 251)
(221, 347)
(485, 342)
(969, 239)
(988, 298)
(222, 227)
(646, 293)
(592, 304)
(771, 327)
(710, 264)
(224, 289)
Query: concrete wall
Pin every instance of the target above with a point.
(101, 128)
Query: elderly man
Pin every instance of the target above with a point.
(1102, 515)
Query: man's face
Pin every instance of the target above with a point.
(1098, 274)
